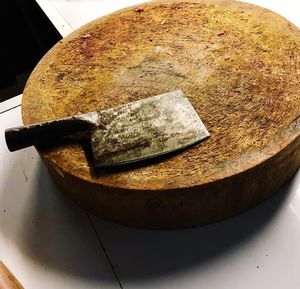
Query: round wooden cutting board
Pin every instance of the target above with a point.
(239, 66)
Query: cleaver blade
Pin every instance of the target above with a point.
(146, 128)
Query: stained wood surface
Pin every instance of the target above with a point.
(239, 66)
(7, 279)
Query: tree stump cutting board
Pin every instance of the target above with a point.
(239, 66)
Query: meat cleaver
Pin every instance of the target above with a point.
(123, 134)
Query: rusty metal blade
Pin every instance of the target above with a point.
(146, 128)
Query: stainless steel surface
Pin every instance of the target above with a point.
(146, 128)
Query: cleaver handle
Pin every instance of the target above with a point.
(28, 135)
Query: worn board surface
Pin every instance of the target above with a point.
(237, 63)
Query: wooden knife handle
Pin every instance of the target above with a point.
(25, 136)
(7, 279)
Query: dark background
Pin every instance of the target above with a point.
(26, 35)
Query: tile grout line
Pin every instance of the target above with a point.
(55, 16)
(8, 109)
(104, 250)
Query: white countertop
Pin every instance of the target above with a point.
(49, 242)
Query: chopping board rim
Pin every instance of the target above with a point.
(248, 163)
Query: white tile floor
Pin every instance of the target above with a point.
(257, 249)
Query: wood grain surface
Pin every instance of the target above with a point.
(239, 66)
(7, 279)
